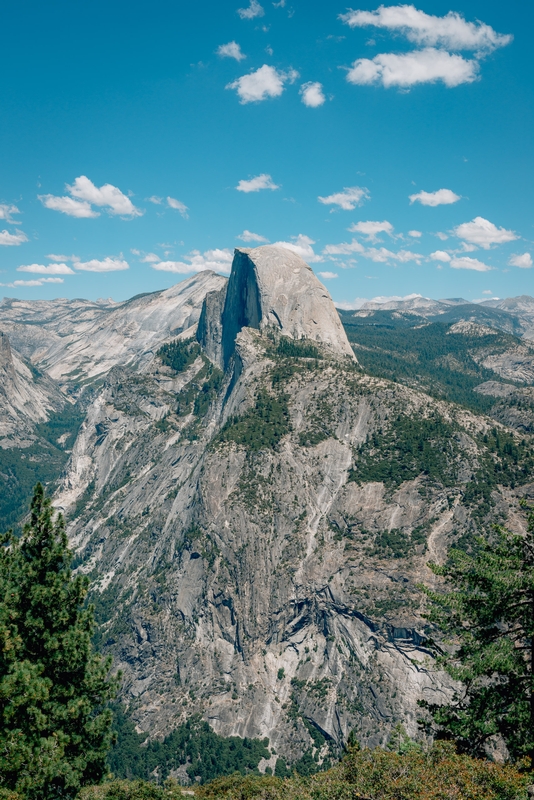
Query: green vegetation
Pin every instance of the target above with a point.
(55, 729)
(409, 447)
(206, 754)
(487, 610)
(42, 461)
(179, 354)
(296, 348)
(408, 349)
(262, 426)
(411, 773)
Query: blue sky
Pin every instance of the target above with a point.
(391, 145)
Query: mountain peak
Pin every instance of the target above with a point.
(271, 286)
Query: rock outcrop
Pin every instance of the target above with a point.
(270, 287)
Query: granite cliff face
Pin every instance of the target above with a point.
(255, 525)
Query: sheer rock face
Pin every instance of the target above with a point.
(24, 400)
(271, 287)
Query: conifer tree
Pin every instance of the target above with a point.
(487, 613)
(55, 727)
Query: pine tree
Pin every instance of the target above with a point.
(55, 727)
(487, 613)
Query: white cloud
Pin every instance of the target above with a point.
(312, 94)
(442, 236)
(69, 206)
(442, 197)
(248, 236)
(46, 269)
(524, 260)
(408, 69)
(55, 257)
(371, 229)
(231, 50)
(263, 83)
(415, 234)
(7, 211)
(328, 276)
(302, 246)
(451, 31)
(107, 196)
(36, 282)
(343, 249)
(218, 260)
(84, 195)
(483, 233)
(382, 254)
(254, 10)
(106, 265)
(179, 206)
(263, 181)
(12, 239)
(440, 255)
(464, 262)
(345, 305)
(348, 199)
(155, 199)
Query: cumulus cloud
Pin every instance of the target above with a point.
(328, 276)
(263, 83)
(302, 245)
(348, 199)
(256, 184)
(344, 249)
(219, 260)
(7, 211)
(465, 262)
(178, 206)
(69, 206)
(249, 236)
(12, 239)
(415, 234)
(312, 94)
(149, 258)
(483, 233)
(371, 229)
(155, 199)
(231, 50)
(442, 197)
(451, 31)
(46, 269)
(107, 196)
(408, 69)
(440, 255)
(382, 254)
(35, 282)
(524, 260)
(252, 11)
(106, 265)
(84, 194)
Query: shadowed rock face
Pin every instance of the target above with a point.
(271, 286)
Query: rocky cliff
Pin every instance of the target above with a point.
(255, 536)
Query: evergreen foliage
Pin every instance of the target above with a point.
(438, 773)
(43, 461)
(262, 426)
(487, 612)
(411, 446)
(179, 354)
(408, 349)
(206, 754)
(55, 729)
(296, 348)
